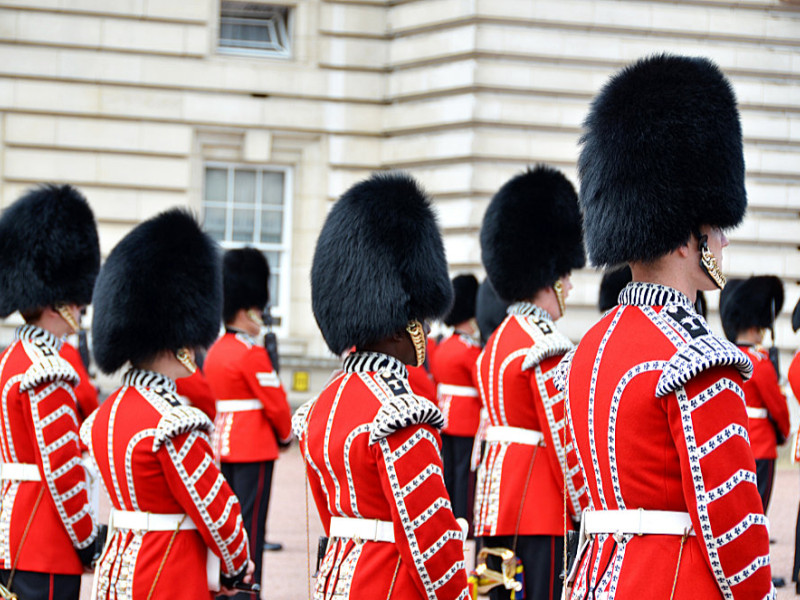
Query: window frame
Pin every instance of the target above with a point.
(285, 53)
(281, 308)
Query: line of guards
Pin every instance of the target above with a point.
(640, 437)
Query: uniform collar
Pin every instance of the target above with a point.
(244, 334)
(638, 293)
(528, 309)
(365, 362)
(34, 334)
(148, 379)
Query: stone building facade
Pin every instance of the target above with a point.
(257, 115)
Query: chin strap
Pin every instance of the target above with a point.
(65, 314)
(185, 358)
(417, 333)
(559, 290)
(708, 262)
(255, 317)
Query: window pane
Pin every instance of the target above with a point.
(273, 258)
(243, 224)
(244, 187)
(216, 184)
(271, 226)
(272, 187)
(274, 289)
(215, 223)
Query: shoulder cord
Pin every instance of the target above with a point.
(522, 500)
(164, 559)
(25, 536)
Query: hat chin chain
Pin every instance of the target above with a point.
(708, 262)
(417, 334)
(185, 358)
(65, 314)
(558, 288)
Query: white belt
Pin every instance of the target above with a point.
(638, 522)
(229, 406)
(518, 435)
(19, 472)
(757, 413)
(371, 530)
(145, 521)
(445, 389)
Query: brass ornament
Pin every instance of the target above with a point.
(64, 312)
(559, 290)
(185, 358)
(255, 317)
(708, 262)
(417, 333)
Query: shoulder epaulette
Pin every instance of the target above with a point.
(562, 371)
(178, 420)
(49, 368)
(402, 411)
(86, 429)
(300, 419)
(552, 343)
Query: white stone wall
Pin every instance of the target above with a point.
(128, 98)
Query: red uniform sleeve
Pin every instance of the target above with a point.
(85, 392)
(550, 409)
(421, 383)
(202, 491)
(766, 382)
(263, 381)
(708, 421)
(196, 389)
(58, 455)
(426, 533)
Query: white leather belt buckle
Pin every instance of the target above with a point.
(230, 406)
(368, 530)
(19, 472)
(518, 435)
(145, 521)
(445, 389)
(757, 413)
(637, 522)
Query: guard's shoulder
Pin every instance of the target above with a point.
(180, 419)
(48, 368)
(300, 419)
(85, 431)
(562, 371)
(547, 341)
(697, 350)
(403, 410)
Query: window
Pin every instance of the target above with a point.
(254, 28)
(246, 206)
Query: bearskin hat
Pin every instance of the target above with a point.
(490, 309)
(160, 289)
(379, 263)
(531, 233)
(465, 288)
(49, 252)
(611, 285)
(753, 302)
(245, 281)
(661, 156)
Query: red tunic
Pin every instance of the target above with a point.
(453, 369)
(657, 410)
(85, 392)
(515, 379)
(793, 375)
(195, 387)
(421, 382)
(762, 393)
(39, 426)
(154, 455)
(238, 368)
(372, 451)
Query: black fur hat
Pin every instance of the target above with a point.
(753, 302)
(49, 251)
(611, 285)
(245, 281)
(160, 289)
(379, 262)
(531, 233)
(465, 287)
(661, 156)
(490, 309)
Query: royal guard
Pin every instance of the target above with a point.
(748, 307)
(371, 446)
(175, 522)
(253, 416)
(614, 281)
(453, 369)
(49, 258)
(655, 399)
(530, 243)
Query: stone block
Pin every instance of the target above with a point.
(40, 165)
(28, 129)
(257, 146)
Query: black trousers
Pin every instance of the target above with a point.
(30, 585)
(458, 479)
(542, 562)
(252, 482)
(765, 477)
